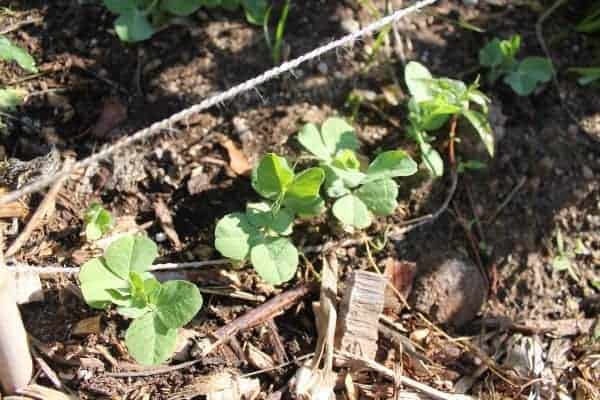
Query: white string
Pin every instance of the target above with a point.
(250, 84)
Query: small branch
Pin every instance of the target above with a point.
(20, 24)
(507, 200)
(451, 144)
(153, 371)
(45, 210)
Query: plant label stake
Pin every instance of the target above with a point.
(16, 366)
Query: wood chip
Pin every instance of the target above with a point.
(28, 287)
(400, 275)
(361, 306)
(257, 358)
(237, 160)
(87, 326)
(166, 221)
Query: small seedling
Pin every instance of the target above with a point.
(276, 45)
(261, 233)
(11, 98)
(98, 221)
(522, 76)
(435, 101)
(359, 190)
(563, 258)
(138, 20)
(121, 278)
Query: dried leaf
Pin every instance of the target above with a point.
(237, 160)
(166, 221)
(400, 275)
(88, 326)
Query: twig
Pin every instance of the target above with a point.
(185, 265)
(507, 200)
(20, 24)
(559, 328)
(285, 364)
(154, 371)
(45, 210)
(259, 315)
(388, 373)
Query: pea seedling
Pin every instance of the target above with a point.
(522, 76)
(11, 98)
(261, 233)
(435, 101)
(98, 221)
(359, 191)
(138, 19)
(121, 278)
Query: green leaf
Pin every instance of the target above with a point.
(310, 138)
(391, 164)
(120, 6)
(261, 215)
(350, 210)
(11, 98)
(432, 160)
(233, 235)
(511, 47)
(491, 54)
(255, 11)
(561, 263)
(588, 75)
(130, 253)
(338, 135)
(98, 283)
(230, 5)
(98, 221)
(11, 52)
(272, 177)
(303, 194)
(177, 303)
(134, 311)
(379, 196)
(132, 26)
(275, 260)
(528, 74)
(305, 207)
(591, 22)
(181, 8)
(418, 79)
(148, 341)
(483, 128)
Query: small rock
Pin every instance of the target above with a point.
(587, 172)
(350, 25)
(449, 288)
(323, 68)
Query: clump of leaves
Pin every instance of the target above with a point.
(359, 189)
(435, 101)
(523, 76)
(98, 221)
(11, 98)
(139, 19)
(121, 278)
(261, 234)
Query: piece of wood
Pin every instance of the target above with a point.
(16, 365)
(361, 306)
(28, 287)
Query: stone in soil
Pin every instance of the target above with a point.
(449, 288)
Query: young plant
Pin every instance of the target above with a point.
(121, 278)
(276, 45)
(138, 20)
(261, 234)
(359, 190)
(522, 76)
(434, 102)
(98, 221)
(11, 98)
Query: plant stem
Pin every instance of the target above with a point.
(451, 155)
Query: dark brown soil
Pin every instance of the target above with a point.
(549, 150)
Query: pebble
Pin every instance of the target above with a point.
(587, 172)
(323, 68)
(350, 25)
(160, 237)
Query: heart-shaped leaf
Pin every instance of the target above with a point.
(260, 215)
(391, 164)
(310, 138)
(379, 196)
(255, 11)
(98, 284)
(351, 211)
(338, 135)
(275, 260)
(181, 8)
(132, 26)
(272, 177)
(119, 6)
(233, 235)
(177, 303)
(418, 79)
(130, 253)
(148, 341)
(491, 54)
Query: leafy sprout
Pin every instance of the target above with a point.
(98, 221)
(121, 278)
(522, 76)
(435, 101)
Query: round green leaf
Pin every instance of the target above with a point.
(148, 341)
(132, 26)
(350, 210)
(233, 234)
(275, 260)
(537, 68)
(491, 54)
(98, 221)
(119, 6)
(261, 215)
(177, 303)
(338, 135)
(379, 196)
(303, 193)
(98, 284)
(418, 79)
(391, 164)
(130, 253)
(181, 8)
(310, 138)
(272, 176)
(255, 11)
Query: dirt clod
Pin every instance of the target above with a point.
(449, 288)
